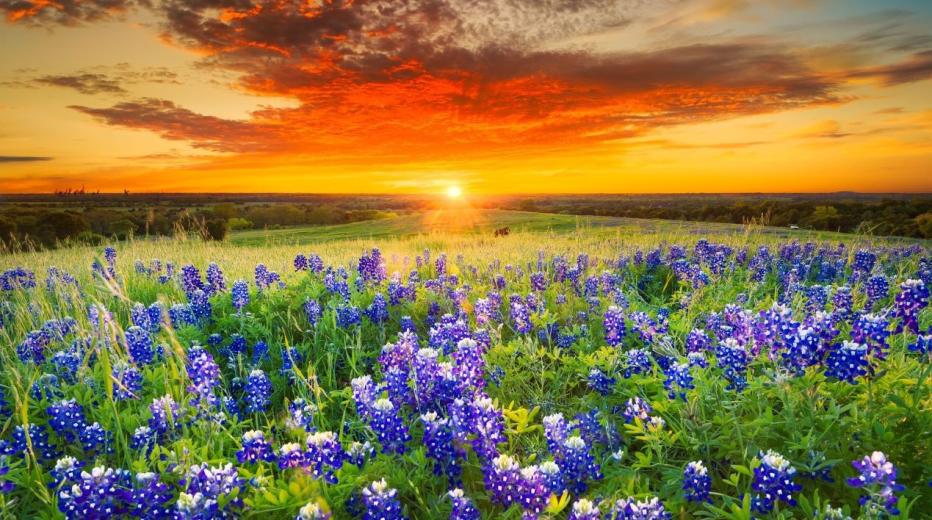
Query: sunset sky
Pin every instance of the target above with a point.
(495, 96)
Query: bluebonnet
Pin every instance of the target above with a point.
(377, 312)
(215, 280)
(347, 316)
(697, 484)
(637, 408)
(191, 279)
(803, 349)
(301, 415)
(200, 305)
(631, 509)
(386, 422)
(255, 448)
(139, 315)
(847, 362)
(877, 479)
(463, 507)
(150, 498)
(291, 456)
(240, 294)
(678, 380)
(371, 267)
(577, 464)
(503, 480)
(206, 488)
(600, 382)
(66, 469)
(359, 452)
(733, 359)
(96, 440)
(312, 511)
(912, 298)
(533, 492)
(181, 315)
(139, 345)
(35, 436)
(585, 509)
(877, 287)
(613, 323)
(165, 414)
(438, 440)
(922, 345)
(697, 341)
(258, 391)
(265, 278)
(143, 439)
(637, 362)
(520, 315)
(66, 417)
(381, 502)
(324, 455)
(205, 376)
(101, 493)
(773, 482)
(312, 311)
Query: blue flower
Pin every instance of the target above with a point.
(631, 509)
(96, 440)
(697, 484)
(139, 345)
(637, 362)
(255, 448)
(312, 311)
(324, 455)
(600, 382)
(503, 480)
(101, 493)
(347, 316)
(585, 509)
(909, 302)
(66, 417)
(877, 479)
(388, 427)
(613, 322)
(773, 482)
(847, 362)
(463, 507)
(438, 439)
(678, 380)
(240, 294)
(733, 359)
(312, 511)
(381, 502)
(258, 391)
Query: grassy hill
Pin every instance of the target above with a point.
(477, 221)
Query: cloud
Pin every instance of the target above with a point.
(176, 123)
(63, 12)
(22, 158)
(85, 83)
(917, 67)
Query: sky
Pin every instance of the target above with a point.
(490, 96)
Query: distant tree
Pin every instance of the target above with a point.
(824, 217)
(66, 224)
(123, 228)
(7, 229)
(924, 223)
(237, 223)
(215, 229)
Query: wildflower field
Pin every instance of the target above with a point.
(588, 374)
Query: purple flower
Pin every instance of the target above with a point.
(773, 482)
(313, 312)
(255, 448)
(503, 480)
(66, 417)
(438, 439)
(324, 455)
(613, 322)
(847, 362)
(381, 502)
(910, 301)
(733, 359)
(678, 380)
(600, 382)
(388, 427)
(585, 509)
(291, 456)
(463, 507)
(101, 493)
(637, 362)
(696, 482)
(878, 481)
(631, 509)
(312, 511)
(240, 294)
(258, 391)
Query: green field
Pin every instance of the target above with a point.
(465, 222)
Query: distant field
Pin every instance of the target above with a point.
(477, 221)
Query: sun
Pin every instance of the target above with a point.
(454, 192)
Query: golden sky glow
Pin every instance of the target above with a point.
(489, 96)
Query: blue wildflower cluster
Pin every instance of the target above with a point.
(547, 384)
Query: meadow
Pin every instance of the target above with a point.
(581, 367)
